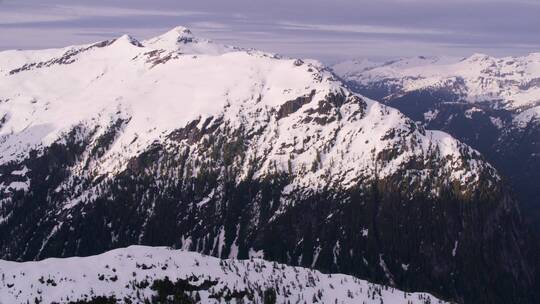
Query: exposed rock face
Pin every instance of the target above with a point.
(243, 154)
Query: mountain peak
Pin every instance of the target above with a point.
(172, 39)
(179, 34)
(127, 39)
(180, 30)
(181, 39)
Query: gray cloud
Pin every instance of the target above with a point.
(327, 30)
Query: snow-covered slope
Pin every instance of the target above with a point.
(240, 153)
(492, 104)
(159, 87)
(510, 82)
(133, 274)
(150, 88)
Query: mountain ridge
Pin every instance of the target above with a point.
(492, 104)
(137, 274)
(245, 154)
(508, 82)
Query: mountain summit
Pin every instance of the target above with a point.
(237, 153)
(182, 39)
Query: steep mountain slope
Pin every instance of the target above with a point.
(492, 104)
(239, 153)
(137, 274)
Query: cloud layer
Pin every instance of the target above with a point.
(327, 30)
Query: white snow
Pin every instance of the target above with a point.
(387, 273)
(21, 172)
(469, 113)
(183, 40)
(509, 82)
(496, 121)
(24, 186)
(365, 232)
(257, 254)
(431, 114)
(125, 77)
(454, 250)
(161, 84)
(119, 271)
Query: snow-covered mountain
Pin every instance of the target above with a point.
(142, 91)
(511, 83)
(492, 104)
(239, 153)
(137, 274)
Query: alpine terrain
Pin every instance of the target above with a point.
(492, 104)
(237, 153)
(140, 274)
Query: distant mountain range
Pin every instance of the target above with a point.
(238, 153)
(491, 104)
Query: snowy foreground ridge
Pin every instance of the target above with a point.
(130, 274)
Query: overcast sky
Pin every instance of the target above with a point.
(328, 30)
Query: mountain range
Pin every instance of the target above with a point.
(489, 103)
(238, 153)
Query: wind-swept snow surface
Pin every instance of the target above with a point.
(137, 273)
